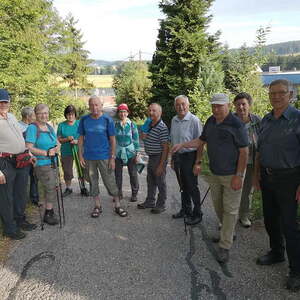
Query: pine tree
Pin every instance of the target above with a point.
(186, 55)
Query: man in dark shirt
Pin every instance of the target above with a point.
(277, 174)
(227, 145)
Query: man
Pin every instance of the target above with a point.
(227, 145)
(13, 181)
(157, 148)
(277, 173)
(97, 146)
(185, 127)
(28, 117)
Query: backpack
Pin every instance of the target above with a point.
(38, 132)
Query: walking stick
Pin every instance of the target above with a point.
(83, 189)
(59, 194)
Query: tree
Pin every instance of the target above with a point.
(186, 56)
(133, 86)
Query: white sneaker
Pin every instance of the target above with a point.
(245, 222)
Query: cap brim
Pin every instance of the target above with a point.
(219, 102)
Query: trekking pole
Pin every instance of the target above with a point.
(208, 189)
(60, 190)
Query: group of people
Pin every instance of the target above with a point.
(243, 151)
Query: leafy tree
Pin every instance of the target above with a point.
(132, 87)
(186, 56)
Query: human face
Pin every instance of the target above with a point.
(4, 107)
(95, 107)
(154, 112)
(31, 118)
(242, 108)
(123, 114)
(181, 107)
(70, 117)
(42, 116)
(220, 111)
(279, 96)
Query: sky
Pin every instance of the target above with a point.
(117, 29)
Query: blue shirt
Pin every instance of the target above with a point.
(279, 140)
(96, 133)
(223, 142)
(44, 140)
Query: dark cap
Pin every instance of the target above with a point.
(4, 96)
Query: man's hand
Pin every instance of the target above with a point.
(74, 142)
(33, 160)
(52, 151)
(256, 182)
(2, 178)
(160, 169)
(236, 182)
(298, 195)
(82, 161)
(196, 169)
(111, 163)
(176, 148)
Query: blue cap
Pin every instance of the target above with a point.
(4, 96)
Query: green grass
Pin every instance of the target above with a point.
(101, 81)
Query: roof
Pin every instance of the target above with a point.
(293, 77)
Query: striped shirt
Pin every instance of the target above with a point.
(157, 135)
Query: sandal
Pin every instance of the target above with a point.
(96, 212)
(121, 212)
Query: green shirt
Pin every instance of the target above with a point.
(64, 130)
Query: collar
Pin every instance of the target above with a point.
(227, 120)
(155, 124)
(286, 114)
(187, 117)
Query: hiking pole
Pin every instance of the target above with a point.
(208, 189)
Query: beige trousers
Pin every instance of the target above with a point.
(226, 202)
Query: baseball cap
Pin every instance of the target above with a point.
(4, 96)
(219, 99)
(123, 106)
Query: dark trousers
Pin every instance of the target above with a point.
(13, 195)
(155, 182)
(33, 191)
(132, 171)
(280, 214)
(190, 191)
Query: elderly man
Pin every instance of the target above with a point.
(28, 117)
(277, 173)
(185, 127)
(13, 181)
(97, 146)
(227, 145)
(157, 148)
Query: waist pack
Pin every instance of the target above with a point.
(23, 160)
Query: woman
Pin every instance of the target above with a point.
(41, 140)
(127, 148)
(68, 137)
(243, 103)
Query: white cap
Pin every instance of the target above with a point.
(219, 99)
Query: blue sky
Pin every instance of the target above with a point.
(115, 29)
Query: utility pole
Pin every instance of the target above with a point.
(140, 55)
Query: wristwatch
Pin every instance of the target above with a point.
(240, 174)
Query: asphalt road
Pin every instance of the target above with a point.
(143, 256)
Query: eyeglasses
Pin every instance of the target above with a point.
(280, 93)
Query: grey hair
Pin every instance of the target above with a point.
(26, 112)
(40, 106)
(95, 97)
(184, 97)
(158, 105)
(284, 82)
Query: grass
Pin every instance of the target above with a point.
(101, 81)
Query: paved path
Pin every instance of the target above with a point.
(143, 256)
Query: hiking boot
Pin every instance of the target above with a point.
(18, 235)
(194, 220)
(50, 218)
(222, 255)
(67, 192)
(84, 192)
(145, 205)
(157, 210)
(270, 259)
(133, 198)
(179, 215)
(26, 226)
(216, 239)
(293, 282)
(245, 222)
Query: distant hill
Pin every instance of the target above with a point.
(104, 63)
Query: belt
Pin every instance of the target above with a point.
(187, 153)
(9, 155)
(285, 171)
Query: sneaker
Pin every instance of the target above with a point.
(293, 282)
(222, 255)
(18, 235)
(245, 222)
(50, 218)
(145, 205)
(67, 192)
(157, 210)
(26, 226)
